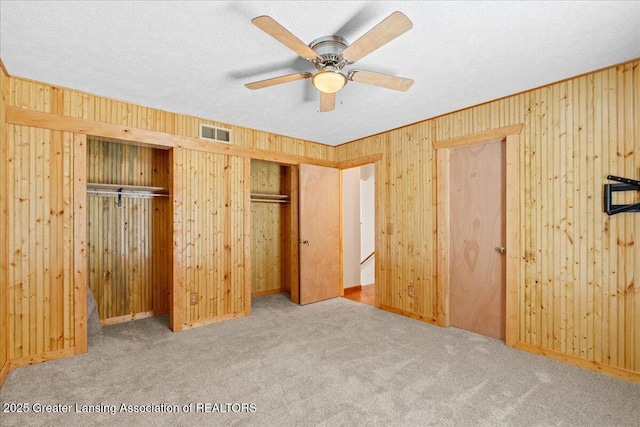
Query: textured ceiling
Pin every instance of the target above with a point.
(195, 57)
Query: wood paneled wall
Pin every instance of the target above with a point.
(129, 247)
(269, 230)
(39, 242)
(579, 295)
(4, 228)
(39, 203)
(212, 234)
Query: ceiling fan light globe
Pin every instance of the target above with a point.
(329, 81)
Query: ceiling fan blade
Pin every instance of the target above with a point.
(278, 80)
(394, 25)
(278, 32)
(327, 102)
(383, 80)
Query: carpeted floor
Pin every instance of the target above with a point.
(332, 363)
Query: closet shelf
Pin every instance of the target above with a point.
(126, 190)
(269, 198)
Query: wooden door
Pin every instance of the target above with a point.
(477, 277)
(319, 201)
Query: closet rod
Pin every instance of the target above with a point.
(126, 194)
(270, 200)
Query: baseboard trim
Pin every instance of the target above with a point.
(407, 313)
(4, 372)
(213, 320)
(621, 373)
(40, 358)
(265, 293)
(352, 289)
(130, 317)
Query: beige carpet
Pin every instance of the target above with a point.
(333, 363)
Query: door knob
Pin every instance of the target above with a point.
(304, 241)
(501, 249)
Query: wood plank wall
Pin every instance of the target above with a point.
(4, 228)
(40, 269)
(269, 231)
(129, 247)
(579, 295)
(213, 229)
(39, 243)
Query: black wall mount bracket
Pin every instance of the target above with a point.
(626, 184)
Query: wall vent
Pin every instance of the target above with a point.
(213, 133)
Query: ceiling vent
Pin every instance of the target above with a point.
(216, 134)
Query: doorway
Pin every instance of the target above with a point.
(128, 242)
(477, 270)
(510, 135)
(295, 231)
(358, 233)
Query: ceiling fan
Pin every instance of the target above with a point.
(330, 54)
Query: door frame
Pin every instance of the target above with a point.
(510, 135)
(80, 238)
(376, 160)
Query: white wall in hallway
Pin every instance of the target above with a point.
(351, 227)
(367, 223)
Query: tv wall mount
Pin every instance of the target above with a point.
(626, 184)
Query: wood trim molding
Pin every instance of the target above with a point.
(264, 294)
(293, 269)
(377, 217)
(80, 263)
(40, 358)
(4, 69)
(213, 320)
(147, 138)
(511, 136)
(360, 161)
(478, 138)
(247, 236)
(176, 286)
(590, 365)
(409, 314)
(443, 237)
(4, 228)
(512, 238)
(352, 290)
(134, 316)
(4, 371)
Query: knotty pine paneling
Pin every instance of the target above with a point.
(39, 241)
(579, 294)
(4, 228)
(72, 103)
(129, 247)
(269, 231)
(407, 219)
(212, 235)
(38, 323)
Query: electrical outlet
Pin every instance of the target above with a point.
(412, 291)
(194, 298)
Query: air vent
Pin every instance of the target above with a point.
(213, 133)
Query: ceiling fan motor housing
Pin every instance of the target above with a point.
(329, 49)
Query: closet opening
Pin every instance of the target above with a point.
(274, 229)
(129, 232)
